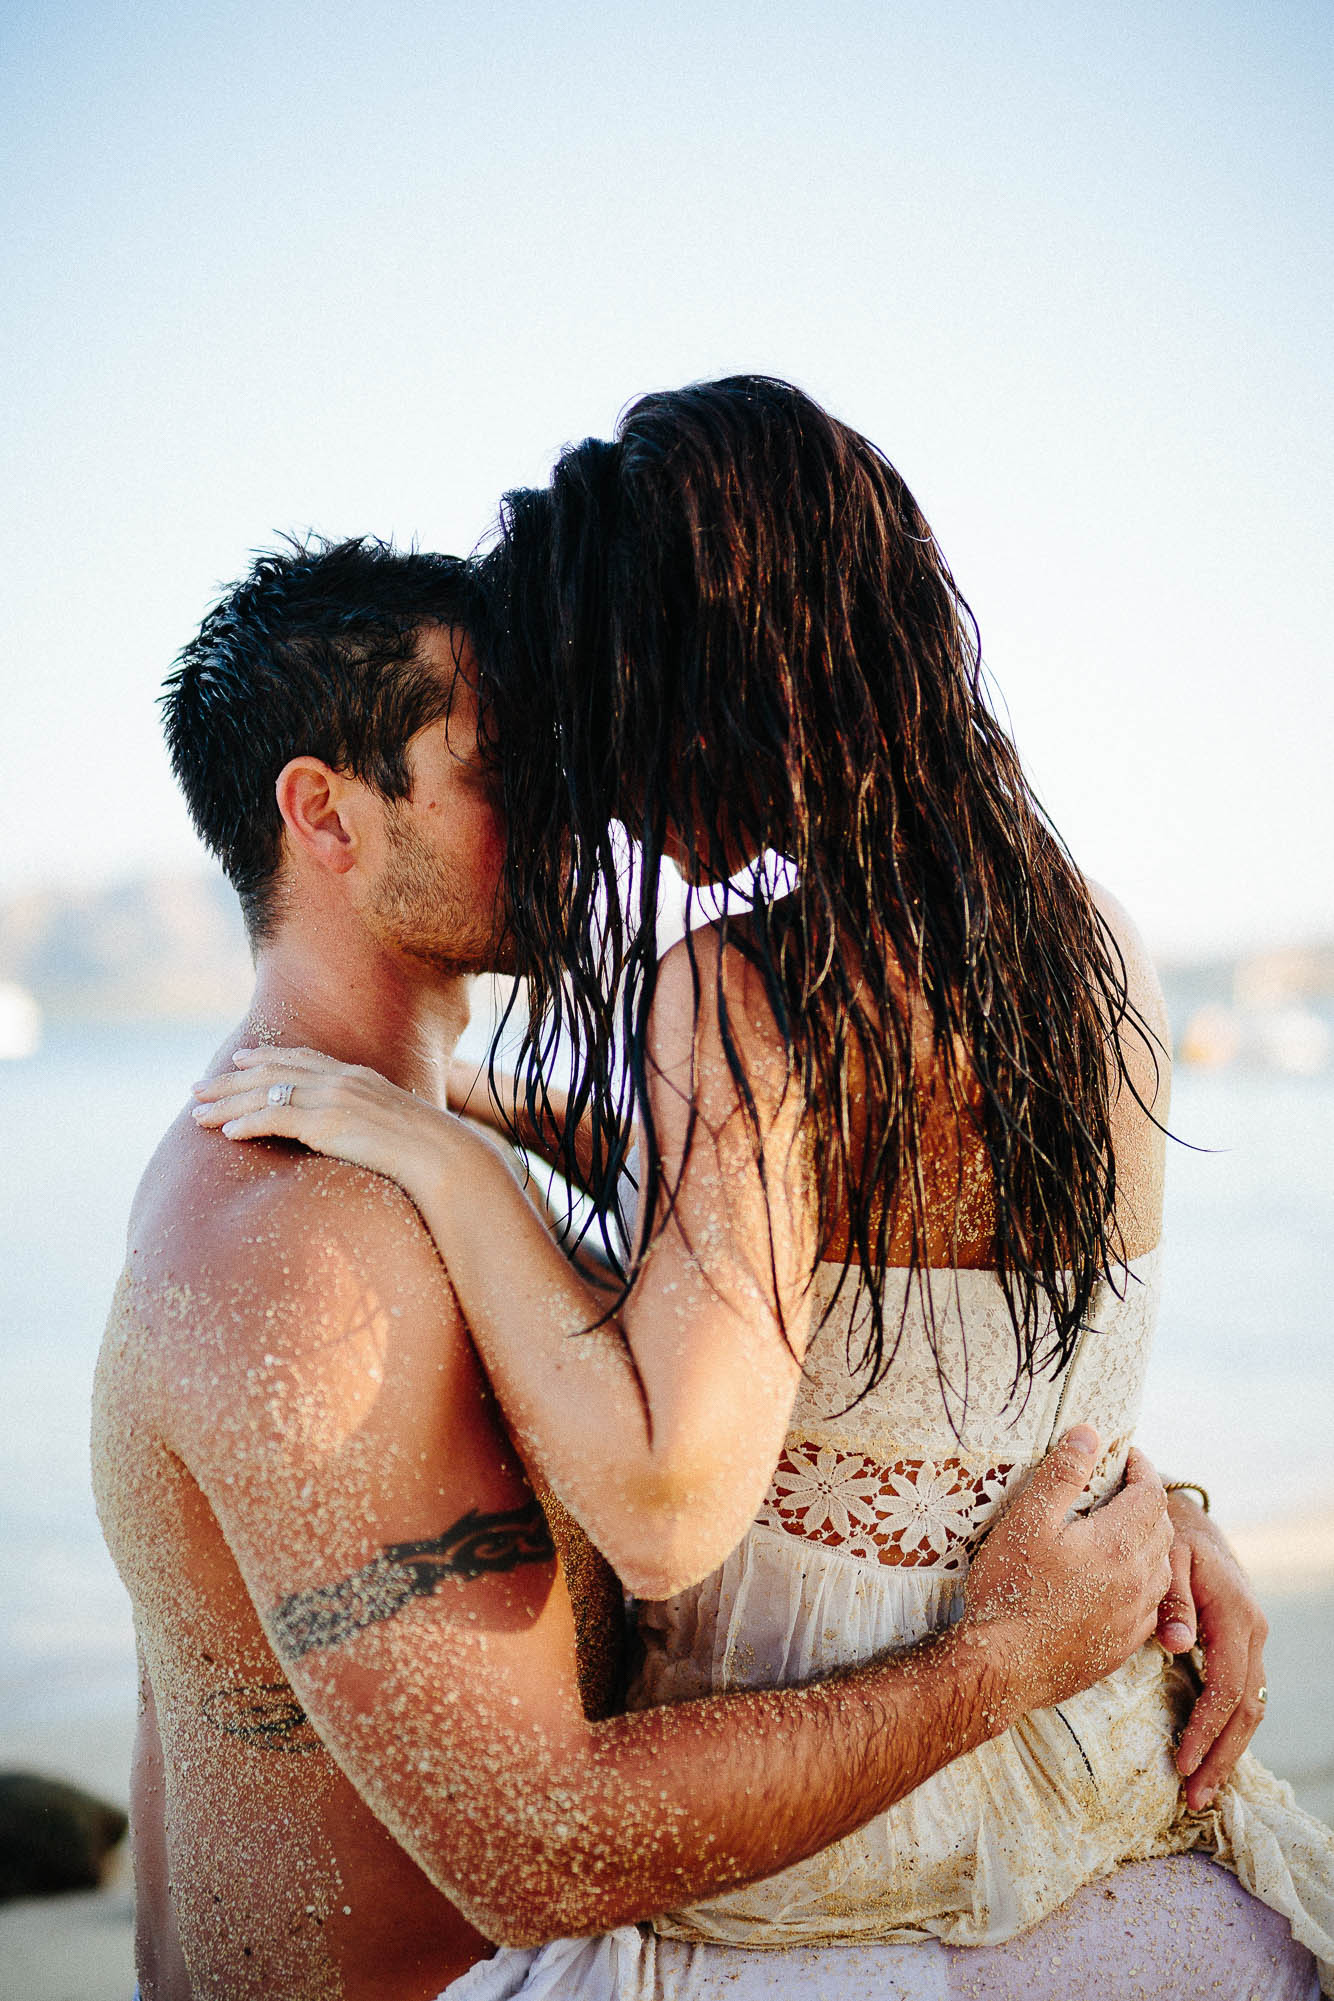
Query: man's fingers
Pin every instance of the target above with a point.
(1176, 1613)
(1217, 1766)
(1142, 1477)
(1224, 1719)
(1136, 1519)
(1212, 1712)
(1063, 1475)
(1140, 1507)
(1226, 1679)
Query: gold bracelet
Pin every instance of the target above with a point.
(1187, 1487)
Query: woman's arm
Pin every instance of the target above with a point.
(659, 1429)
(470, 1095)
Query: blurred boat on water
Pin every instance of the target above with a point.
(20, 1023)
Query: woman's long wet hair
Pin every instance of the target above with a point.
(733, 621)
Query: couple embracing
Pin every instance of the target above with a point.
(839, 1388)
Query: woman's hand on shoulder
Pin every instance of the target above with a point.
(340, 1109)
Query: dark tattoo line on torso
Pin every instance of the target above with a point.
(475, 1546)
(266, 1714)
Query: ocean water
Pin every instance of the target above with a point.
(1240, 1395)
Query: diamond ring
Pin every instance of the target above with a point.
(280, 1094)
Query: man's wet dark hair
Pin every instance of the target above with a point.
(313, 654)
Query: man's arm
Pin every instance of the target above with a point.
(331, 1407)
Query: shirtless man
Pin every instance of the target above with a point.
(362, 1751)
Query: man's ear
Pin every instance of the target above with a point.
(319, 809)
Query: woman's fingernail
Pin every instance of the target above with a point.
(230, 1128)
(200, 1111)
(1207, 1798)
(241, 1055)
(1178, 1637)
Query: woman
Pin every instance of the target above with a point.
(900, 1092)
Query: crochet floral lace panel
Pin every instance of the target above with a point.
(922, 1513)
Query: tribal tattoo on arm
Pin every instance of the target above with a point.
(475, 1546)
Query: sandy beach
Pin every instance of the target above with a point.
(80, 1947)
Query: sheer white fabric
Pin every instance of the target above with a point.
(998, 1877)
(862, 1544)
(1178, 1930)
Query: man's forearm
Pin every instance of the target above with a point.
(671, 1805)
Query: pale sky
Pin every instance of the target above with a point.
(360, 268)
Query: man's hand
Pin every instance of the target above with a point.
(1080, 1595)
(1211, 1601)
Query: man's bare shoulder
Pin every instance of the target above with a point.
(209, 1209)
(247, 1259)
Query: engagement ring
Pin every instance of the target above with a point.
(281, 1094)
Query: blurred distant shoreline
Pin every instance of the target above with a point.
(152, 948)
(172, 947)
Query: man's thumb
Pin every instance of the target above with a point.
(1066, 1471)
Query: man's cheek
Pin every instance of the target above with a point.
(491, 847)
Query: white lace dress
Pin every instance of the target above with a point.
(862, 1544)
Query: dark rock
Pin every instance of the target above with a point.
(52, 1836)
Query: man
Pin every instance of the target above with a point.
(362, 1752)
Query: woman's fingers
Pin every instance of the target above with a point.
(271, 1066)
(238, 1105)
(269, 1122)
(236, 1083)
(297, 1059)
(226, 1086)
(333, 1108)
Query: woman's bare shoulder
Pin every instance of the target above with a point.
(1142, 983)
(712, 970)
(1140, 1106)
